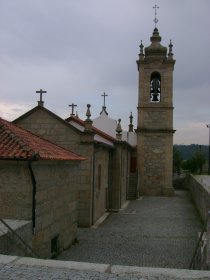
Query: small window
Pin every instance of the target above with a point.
(155, 87)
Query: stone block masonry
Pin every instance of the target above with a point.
(92, 202)
(56, 211)
(155, 158)
(56, 201)
(199, 187)
(155, 119)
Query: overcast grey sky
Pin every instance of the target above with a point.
(77, 49)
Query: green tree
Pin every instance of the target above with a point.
(195, 163)
(199, 160)
(190, 165)
(177, 160)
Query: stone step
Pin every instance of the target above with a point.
(132, 191)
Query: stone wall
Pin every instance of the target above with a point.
(85, 185)
(125, 171)
(200, 191)
(101, 182)
(56, 206)
(120, 175)
(155, 152)
(42, 122)
(199, 187)
(15, 190)
(47, 125)
(56, 201)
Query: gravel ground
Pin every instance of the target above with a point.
(150, 232)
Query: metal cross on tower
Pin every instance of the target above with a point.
(155, 20)
(72, 108)
(104, 96)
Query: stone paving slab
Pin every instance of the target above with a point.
(150, 232)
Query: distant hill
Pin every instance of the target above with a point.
(188, 150)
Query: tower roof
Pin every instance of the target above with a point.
(155, 47)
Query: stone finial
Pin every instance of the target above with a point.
(88, 113)
(141, 54)
(77, 116)
(141, 47)
(131, 123)
(170, 53)
(119, 130)
(88, 122)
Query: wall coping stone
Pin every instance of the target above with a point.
(107, 268)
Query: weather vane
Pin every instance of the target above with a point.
(155, 20)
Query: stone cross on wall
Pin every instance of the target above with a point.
(104, 96)
(104, 106)
(72, 108)
(41, 91)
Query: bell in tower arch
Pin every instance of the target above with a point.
(155, 87)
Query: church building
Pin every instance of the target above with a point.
(104, 178)
(120, 165)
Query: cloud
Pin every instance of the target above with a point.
(76, 50)
(191, 133)
(9, 111)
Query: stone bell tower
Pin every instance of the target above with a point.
(155, 118)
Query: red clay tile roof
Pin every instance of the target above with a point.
(96, 130)
(18, 143)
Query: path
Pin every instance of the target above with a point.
(150, 232)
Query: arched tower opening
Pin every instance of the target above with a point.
(155, 87)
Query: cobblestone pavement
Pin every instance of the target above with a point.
(150, 232)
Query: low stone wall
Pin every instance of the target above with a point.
(199, 187)
(29, 268)
(9, 242)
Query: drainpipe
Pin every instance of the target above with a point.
(33, 180)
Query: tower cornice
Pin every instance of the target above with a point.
(156, 106)
(154, 130)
